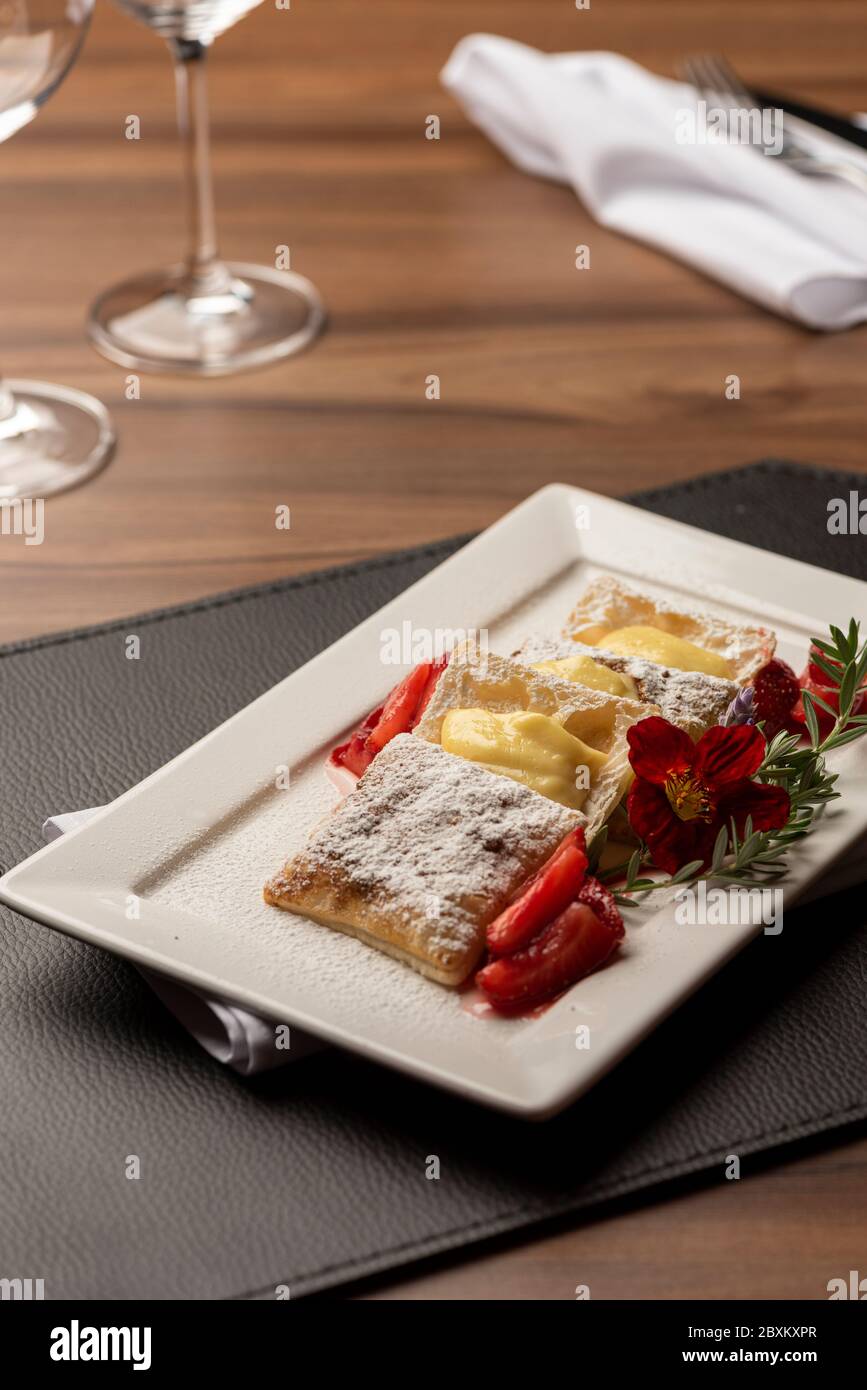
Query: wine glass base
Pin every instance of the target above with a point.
(164, 322)
(54, 438)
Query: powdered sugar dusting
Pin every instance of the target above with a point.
(692, 700)
(432, 841)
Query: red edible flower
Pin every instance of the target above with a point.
(685, 792)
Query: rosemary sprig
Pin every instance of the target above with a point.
(759, 857)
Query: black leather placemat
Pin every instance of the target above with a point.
(315, 1175)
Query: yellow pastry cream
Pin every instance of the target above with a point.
(585, 671)
(652, 644)
(530, 748)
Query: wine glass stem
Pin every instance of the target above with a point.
(7, 401)
(205, 270)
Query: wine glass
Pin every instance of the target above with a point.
(51, 437)
(206, 317)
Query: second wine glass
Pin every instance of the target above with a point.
(205, 317)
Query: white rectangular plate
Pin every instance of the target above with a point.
(194, 843)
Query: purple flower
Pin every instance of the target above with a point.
(742, 709)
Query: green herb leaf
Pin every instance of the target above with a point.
(832, 672)
(817, 700)
(719, 850)
(687, 871)
(847, 736)
(824, 646)
(847, 691)
(810, 718)
(842, 646)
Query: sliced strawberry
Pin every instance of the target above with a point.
(594, 894)
(436, 669)
(353, 754)
(548, 892)
(399, 708)
(400, 713)
(776, 691)
(571, 946)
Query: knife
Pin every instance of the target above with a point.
(815, 115)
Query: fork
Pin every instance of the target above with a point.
(715, 77)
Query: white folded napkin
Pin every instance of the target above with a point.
(241, 1040)
(793, 243)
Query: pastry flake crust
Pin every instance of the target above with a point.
(607, 604)
(421, 856)
(690, 699)
(502, 685)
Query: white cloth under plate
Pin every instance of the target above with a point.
(609, 128)
(232, 1035)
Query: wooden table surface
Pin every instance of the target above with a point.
(434, 258)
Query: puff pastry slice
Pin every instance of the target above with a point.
(690, 699)
(502, 685)
(421, 856)
(608, 605)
